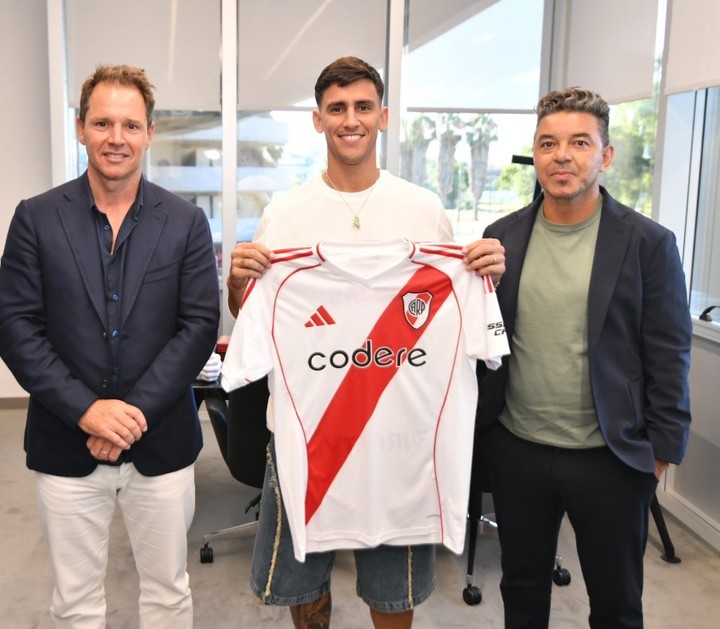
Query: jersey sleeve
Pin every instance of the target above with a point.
(248, 356)
(482, 322)
(485, 336)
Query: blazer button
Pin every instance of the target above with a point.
(104, 383)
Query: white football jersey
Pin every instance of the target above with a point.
(370, 349)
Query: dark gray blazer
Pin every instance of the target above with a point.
(639, 332)
(53, 325)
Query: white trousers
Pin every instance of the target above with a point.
(76, 513)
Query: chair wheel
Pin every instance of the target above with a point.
(561, 576)
(472, 595)
(206, 554)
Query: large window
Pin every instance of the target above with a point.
(467, 159)
(470, 92)
(465, 54)
(632, 132)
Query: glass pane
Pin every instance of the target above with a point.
(185, 158)
(705, 285)
(467, 159)
(277, 151)
(632, 131)
(473, 55)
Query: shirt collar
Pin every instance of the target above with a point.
(134, 208)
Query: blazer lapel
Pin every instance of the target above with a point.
(79, 225)
(612, 243)
(144, 241)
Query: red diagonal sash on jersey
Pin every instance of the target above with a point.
(357, 396)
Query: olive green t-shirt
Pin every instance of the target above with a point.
(548, 397)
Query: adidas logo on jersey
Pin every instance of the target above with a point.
(320, 317)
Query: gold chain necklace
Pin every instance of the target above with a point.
(356, 215)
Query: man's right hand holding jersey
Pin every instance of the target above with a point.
(248, 260)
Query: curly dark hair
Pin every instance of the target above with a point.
(577, 99)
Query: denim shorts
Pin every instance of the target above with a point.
(390, 579)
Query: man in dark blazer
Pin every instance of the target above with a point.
(593, 401)
(108, 309)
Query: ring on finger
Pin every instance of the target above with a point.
(494, 258)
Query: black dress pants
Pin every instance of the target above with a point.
(607, 503)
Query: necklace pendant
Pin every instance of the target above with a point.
(356, 222)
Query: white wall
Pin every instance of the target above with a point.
(24, 119)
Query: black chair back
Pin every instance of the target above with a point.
(247, 435)
(239, 422)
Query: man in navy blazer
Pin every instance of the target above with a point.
(593, 401)
(109, 308)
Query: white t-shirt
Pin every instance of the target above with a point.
(371, 351)
(314, 212)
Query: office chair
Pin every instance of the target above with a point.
(238, 420)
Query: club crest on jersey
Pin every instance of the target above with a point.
(416, 307)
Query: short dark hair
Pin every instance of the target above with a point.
(344, 71)
(127, 76)
(577, 99)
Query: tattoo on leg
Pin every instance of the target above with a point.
(312, 615)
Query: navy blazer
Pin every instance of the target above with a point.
(639, 332)
(53, 326)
